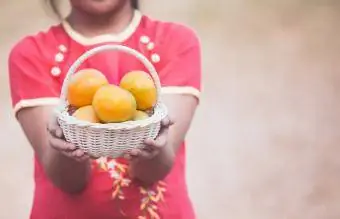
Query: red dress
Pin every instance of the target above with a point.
(37, 67)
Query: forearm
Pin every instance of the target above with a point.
(151, 171)
(67, 174)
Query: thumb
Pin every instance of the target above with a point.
(167, 122)
(54, 128)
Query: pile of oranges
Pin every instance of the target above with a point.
(94, 99)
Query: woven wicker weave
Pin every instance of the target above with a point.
(113, 139)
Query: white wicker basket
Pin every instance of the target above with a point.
(113, 139)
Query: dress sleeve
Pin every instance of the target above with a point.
(180, 69)
(31, 83)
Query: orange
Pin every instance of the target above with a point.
(140, 115)
(114, 104)
(83, 85)
(141, 85)
(86, 113)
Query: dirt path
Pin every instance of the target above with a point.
(265, 140)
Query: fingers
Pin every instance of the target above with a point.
(152, 147)
(157, 144)
(143, 154)
(167, 122)
(61, 145)
(162, 137)
(67, 149)
(54, 129)
(93, 157)
(78, 155)
(57, 142)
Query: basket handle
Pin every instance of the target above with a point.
(149, 66)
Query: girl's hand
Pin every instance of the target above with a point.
(57, 142)
(153, 147)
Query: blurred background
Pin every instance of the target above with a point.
(265, 141)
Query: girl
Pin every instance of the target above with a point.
(68, 184)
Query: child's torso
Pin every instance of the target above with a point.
(110, 194)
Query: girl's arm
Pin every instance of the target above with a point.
(181, 110)
(180, 73)
(33, 89)
(66, 173)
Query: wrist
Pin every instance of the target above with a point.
(66, 173)
(166, 156)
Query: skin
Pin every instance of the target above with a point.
(96, 17)
(69, 168)
(63, 168)
(150, 167)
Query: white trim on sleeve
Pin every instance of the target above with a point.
(46, 101)
(181, 90)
